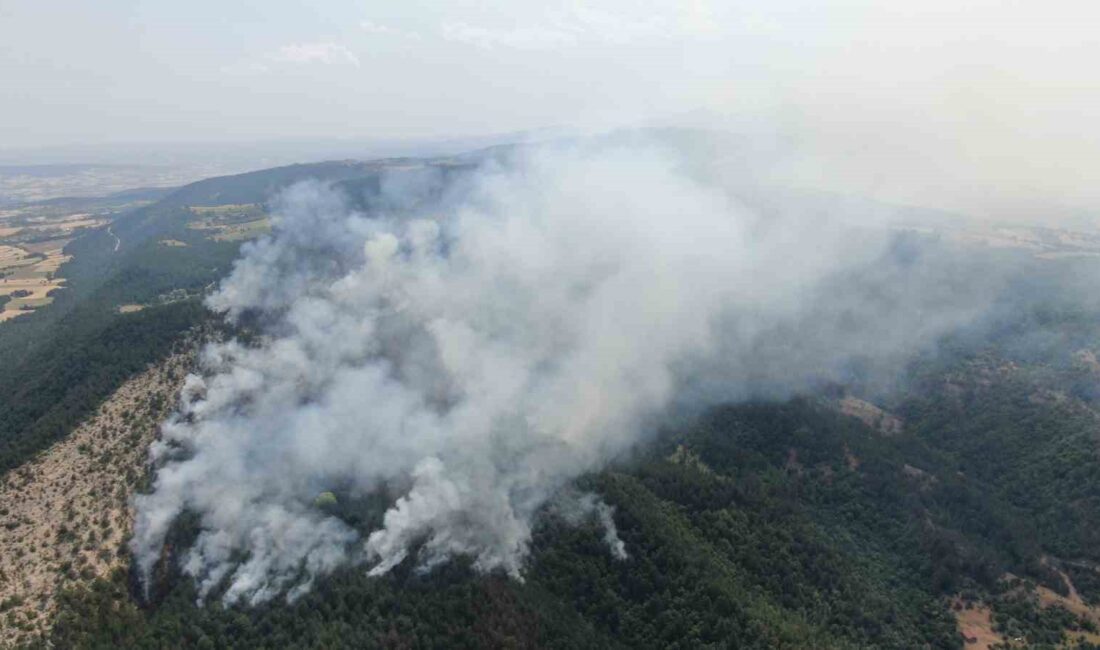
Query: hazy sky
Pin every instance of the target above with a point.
(1004, 92)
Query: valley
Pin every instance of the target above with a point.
(32, 247)
(700, 325)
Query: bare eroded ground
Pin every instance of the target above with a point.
(65, 516)
(975, 623)
(885, 423)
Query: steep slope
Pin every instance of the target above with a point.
(61, 361)
(960, 505)
(66, 514)
(761, 525)
(716, 557)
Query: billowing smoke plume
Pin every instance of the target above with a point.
(473, 360)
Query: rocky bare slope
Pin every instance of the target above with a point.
(65, 516)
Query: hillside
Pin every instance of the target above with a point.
(67, 514)
(778, 525)
(959, 503)
(771, 525)
(59, 362)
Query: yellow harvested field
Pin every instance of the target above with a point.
(228, 208)
(242, 231)
(60, 227)
(37, 288)
(231, 222)
(81, 223)
(233, 231)
(65, 514)
(32, 241)
(31, 253)
(68, 223)
(173, 243)
(33, 279)
(130, 308)
(13, 256)
(46, 247)
(52, 262)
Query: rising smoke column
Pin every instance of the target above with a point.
(477, 360)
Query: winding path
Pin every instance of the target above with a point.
(118, 242)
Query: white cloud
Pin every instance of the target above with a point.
(528, 38)
(573, 26)
(378, 29)
(294, 54)
(245, 68)
(324, 53)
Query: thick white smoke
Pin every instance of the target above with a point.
(477, 360)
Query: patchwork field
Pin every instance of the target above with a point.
(29, 183)
(32, 244)
(233, 222)
(29, 276)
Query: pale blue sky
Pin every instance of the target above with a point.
(116, 70)
(989, 91)
(111, 70)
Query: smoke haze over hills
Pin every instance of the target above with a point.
(473, 358)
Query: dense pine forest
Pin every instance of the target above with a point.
(759, 525)
(763, 525)
(794, 523)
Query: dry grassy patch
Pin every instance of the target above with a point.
(1039, 596)
(31, 278)
(975, 622)
(227, 209)
(14, 257)
(32, 240)
(885, 423)
(233, 231)
(65, 516)
(231, 222)
(1072, 602)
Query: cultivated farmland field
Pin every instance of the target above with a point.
(233, 222)
(32, 250)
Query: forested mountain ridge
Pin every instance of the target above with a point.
(61, 361)
(848, 517)
(66, 513)
(760, 525)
